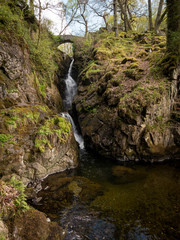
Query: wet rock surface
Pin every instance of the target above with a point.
(60, 191)
(66, 200)
(81, 223)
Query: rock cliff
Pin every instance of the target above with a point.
(34, 139)
(124, 102)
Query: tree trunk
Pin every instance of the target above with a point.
(32, 5)
(115, 17)
(173, 24)
(39, 29)
(150, 15)
(124, 14)
(156, 26)
(105, 20)
(85, 24)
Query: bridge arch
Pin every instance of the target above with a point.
(68, 39)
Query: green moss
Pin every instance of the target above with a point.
(2, 237)
(4, 138)
(142, 54)
(133, 74)
(12, 122)
(91, 109)
(129, 59)
(102, 53)
(14, 90)
(57, 125)
(17, 25)
(40, 143)
(133, 65)
(40, 87)
(142, 96)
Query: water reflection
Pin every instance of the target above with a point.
(106, 200)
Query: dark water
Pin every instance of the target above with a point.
(111, 200)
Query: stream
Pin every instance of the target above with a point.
(104, 199)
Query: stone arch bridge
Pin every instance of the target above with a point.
(69, 39)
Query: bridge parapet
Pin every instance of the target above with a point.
(69, 38)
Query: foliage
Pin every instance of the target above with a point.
(57, 125)
(12, 197)
(5, 138)
(15, 25)
(20, 200)
(2, 237)
(43, 58)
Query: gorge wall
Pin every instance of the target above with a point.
(126, 105)
(34, 139)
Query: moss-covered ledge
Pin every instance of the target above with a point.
(35, 142)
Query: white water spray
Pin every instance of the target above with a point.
(71, 88)
(77, 136)
(70, 91)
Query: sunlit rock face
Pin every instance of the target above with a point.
(66, 48)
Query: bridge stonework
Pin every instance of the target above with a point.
(69, 38)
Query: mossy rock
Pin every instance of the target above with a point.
(142, 54)
(134, 65)
(33, 224)
(162, 44)
(102, 53)
(133, 74)
(129, 59)
(57, 125)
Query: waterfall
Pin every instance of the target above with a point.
(77, 136)
(70, 91)
(71, 88)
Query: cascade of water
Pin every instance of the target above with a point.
(70, 91)
(77, 136)
(71, 88)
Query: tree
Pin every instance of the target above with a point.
(70, 11)
(31, 3)
(115, 17)
(40, 9)
(102, 9)
(160, 16)
(150, 15)
(82, 5)
(126, 14)
(173, 25)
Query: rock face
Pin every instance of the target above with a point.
(124, 106)
(33, 224)
(34, 141)
(3, 230)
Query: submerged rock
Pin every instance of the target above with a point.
(123, 175)
(63, 191)
(81, 223)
